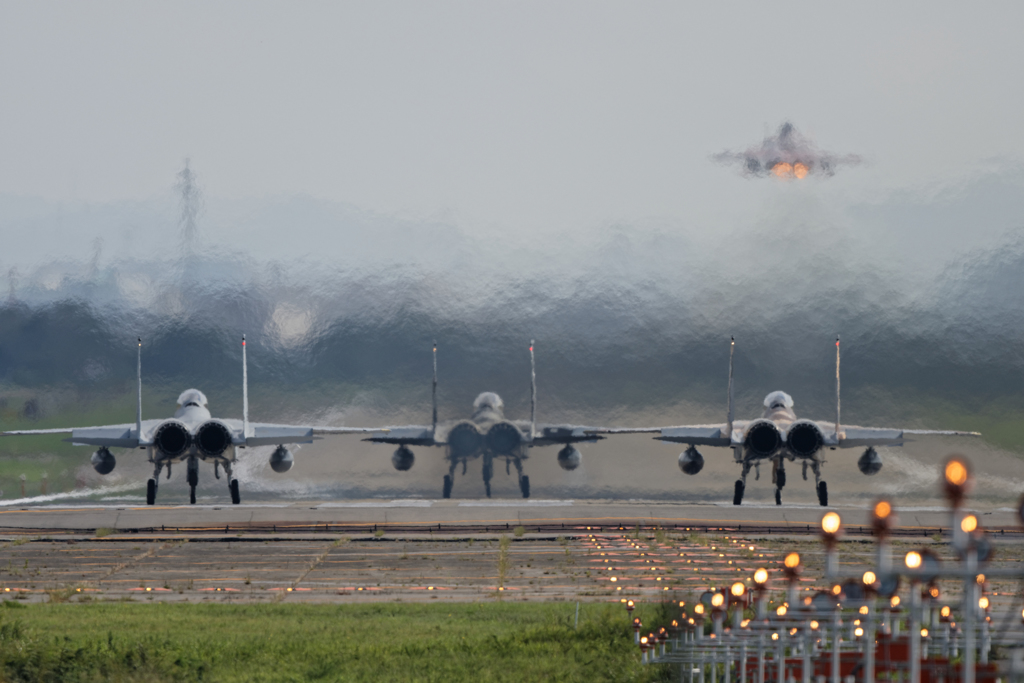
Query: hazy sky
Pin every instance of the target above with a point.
(523, 117)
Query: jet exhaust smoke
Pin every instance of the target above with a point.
(788, 154)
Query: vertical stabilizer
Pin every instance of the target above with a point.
(245, 393)
(433, 396)
(533, 393)
(729, 417)
(837, 387)
(138, 406)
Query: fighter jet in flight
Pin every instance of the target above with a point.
(487, 435)
(779, 435)
(190, 436)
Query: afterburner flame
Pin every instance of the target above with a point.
(786, 170)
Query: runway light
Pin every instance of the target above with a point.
(933, 591)
(613, 579)
(869, 578)
(814, 625)
(698, 609)
(837, 589)
(775, 636)
(792, 631)
(792, 561)
(924, 633)
(957, 477)
(980, 579)
(738, 589)
(895, 602)
(717, 600)
(969, 524)
(913, 559)
(983, 602)
(945, 612)
(781, 611)
(858, 632)
(863, 609)
(761, 576)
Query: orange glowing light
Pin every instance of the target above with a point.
(783, 170)
(882, 509)
(956, 473)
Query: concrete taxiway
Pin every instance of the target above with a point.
(484, 513)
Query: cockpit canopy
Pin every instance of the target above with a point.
(488, 402)
(192, 397)
(778, 400)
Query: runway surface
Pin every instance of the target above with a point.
(416, 513)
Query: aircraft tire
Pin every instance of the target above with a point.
(151, 492)
(780, 479)
(737, 496)
(778, 496)
(524, 486)
(236, 498)
(192, 495)
(447, 492)
(823, 494)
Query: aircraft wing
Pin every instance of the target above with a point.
(693, 435)
(549, 434)
(408, 435)
(111, 436)
(857, 437)
(266, 434)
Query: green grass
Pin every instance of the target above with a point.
(293, 642)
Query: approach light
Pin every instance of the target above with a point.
(814, 625)
(863, 609)
(957, 478)
(781, 611)
(761, 576)
(945, 612)
(738, 589)
(869, 578)
(775, 636)
(913, 559)
(983, 602)
(924, 633)
(717, 600)
(792, 561)
(698, 609)
(837, 589)
(883, 509)
(630, 605)
(858, 632)
(969, 523)
(830, 523)
(894, 602)
(933, 591)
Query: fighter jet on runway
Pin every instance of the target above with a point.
(487, 435)
(778, 435)
(190, 436)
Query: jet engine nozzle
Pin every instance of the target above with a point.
(103, 461)
(763, 438)
(691, 461)
(281, 460)
(804, 438)
(172, 438)
(569, 458)
(212, 438)
(403, 459)
(504, 438)
(465, 440)
(870, 462)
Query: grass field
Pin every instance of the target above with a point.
(380, 642)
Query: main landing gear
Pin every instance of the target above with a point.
(192, 477)
(488, 473)
(779, 479)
